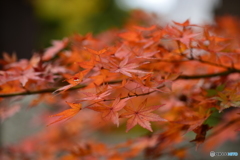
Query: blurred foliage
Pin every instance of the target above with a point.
(214, 118)
(213, 92)
(61, 18)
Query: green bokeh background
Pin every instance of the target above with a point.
(62, 18)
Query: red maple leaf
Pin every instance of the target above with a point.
(111, 112)
(201, 132)
(101, 93)
(126, 68)
(141, 115)
(58, 45)
(28, 74)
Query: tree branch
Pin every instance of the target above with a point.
(224, 73)
(50, 90)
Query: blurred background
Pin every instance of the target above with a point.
(30, 25)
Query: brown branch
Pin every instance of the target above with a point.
(213, 64)
(224, 73)
(50, 90)
(192, 59)
(137, 95)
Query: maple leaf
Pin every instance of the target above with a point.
(69, 113)
(149, 83)
(228, 98)
(187, 37)
(201, 132)
(6, 76)
(101, 93)
(122, 51)
(96, 52)
(147, 55)
(184, 24)
(53, 50)
(225, 131)
(126, 68)
(98, 96)
(87, 64)
(130, 36)
(111, 112)
(77, 78)
(145, 28)
(73, 80)
(28, 74)
(25, 75)
(21, 75)
(9, 58)
(141, 115)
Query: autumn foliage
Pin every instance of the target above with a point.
(161, 82)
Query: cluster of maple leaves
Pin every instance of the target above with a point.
(185, 73)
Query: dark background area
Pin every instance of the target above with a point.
(19, 29)
(23, 31)
(228, 8)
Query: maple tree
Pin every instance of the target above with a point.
(169, 80)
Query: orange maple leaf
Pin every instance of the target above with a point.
(228, 98)
(130, 36)
(57, 46)
(126, 68)
(111, 112)
(77, 78)
(88, 64)
(145, 28)
(96, 52)
(141, 115)
(69, 113)
(101, 93)
(201, 132)
(73, 80)
(184, 24)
